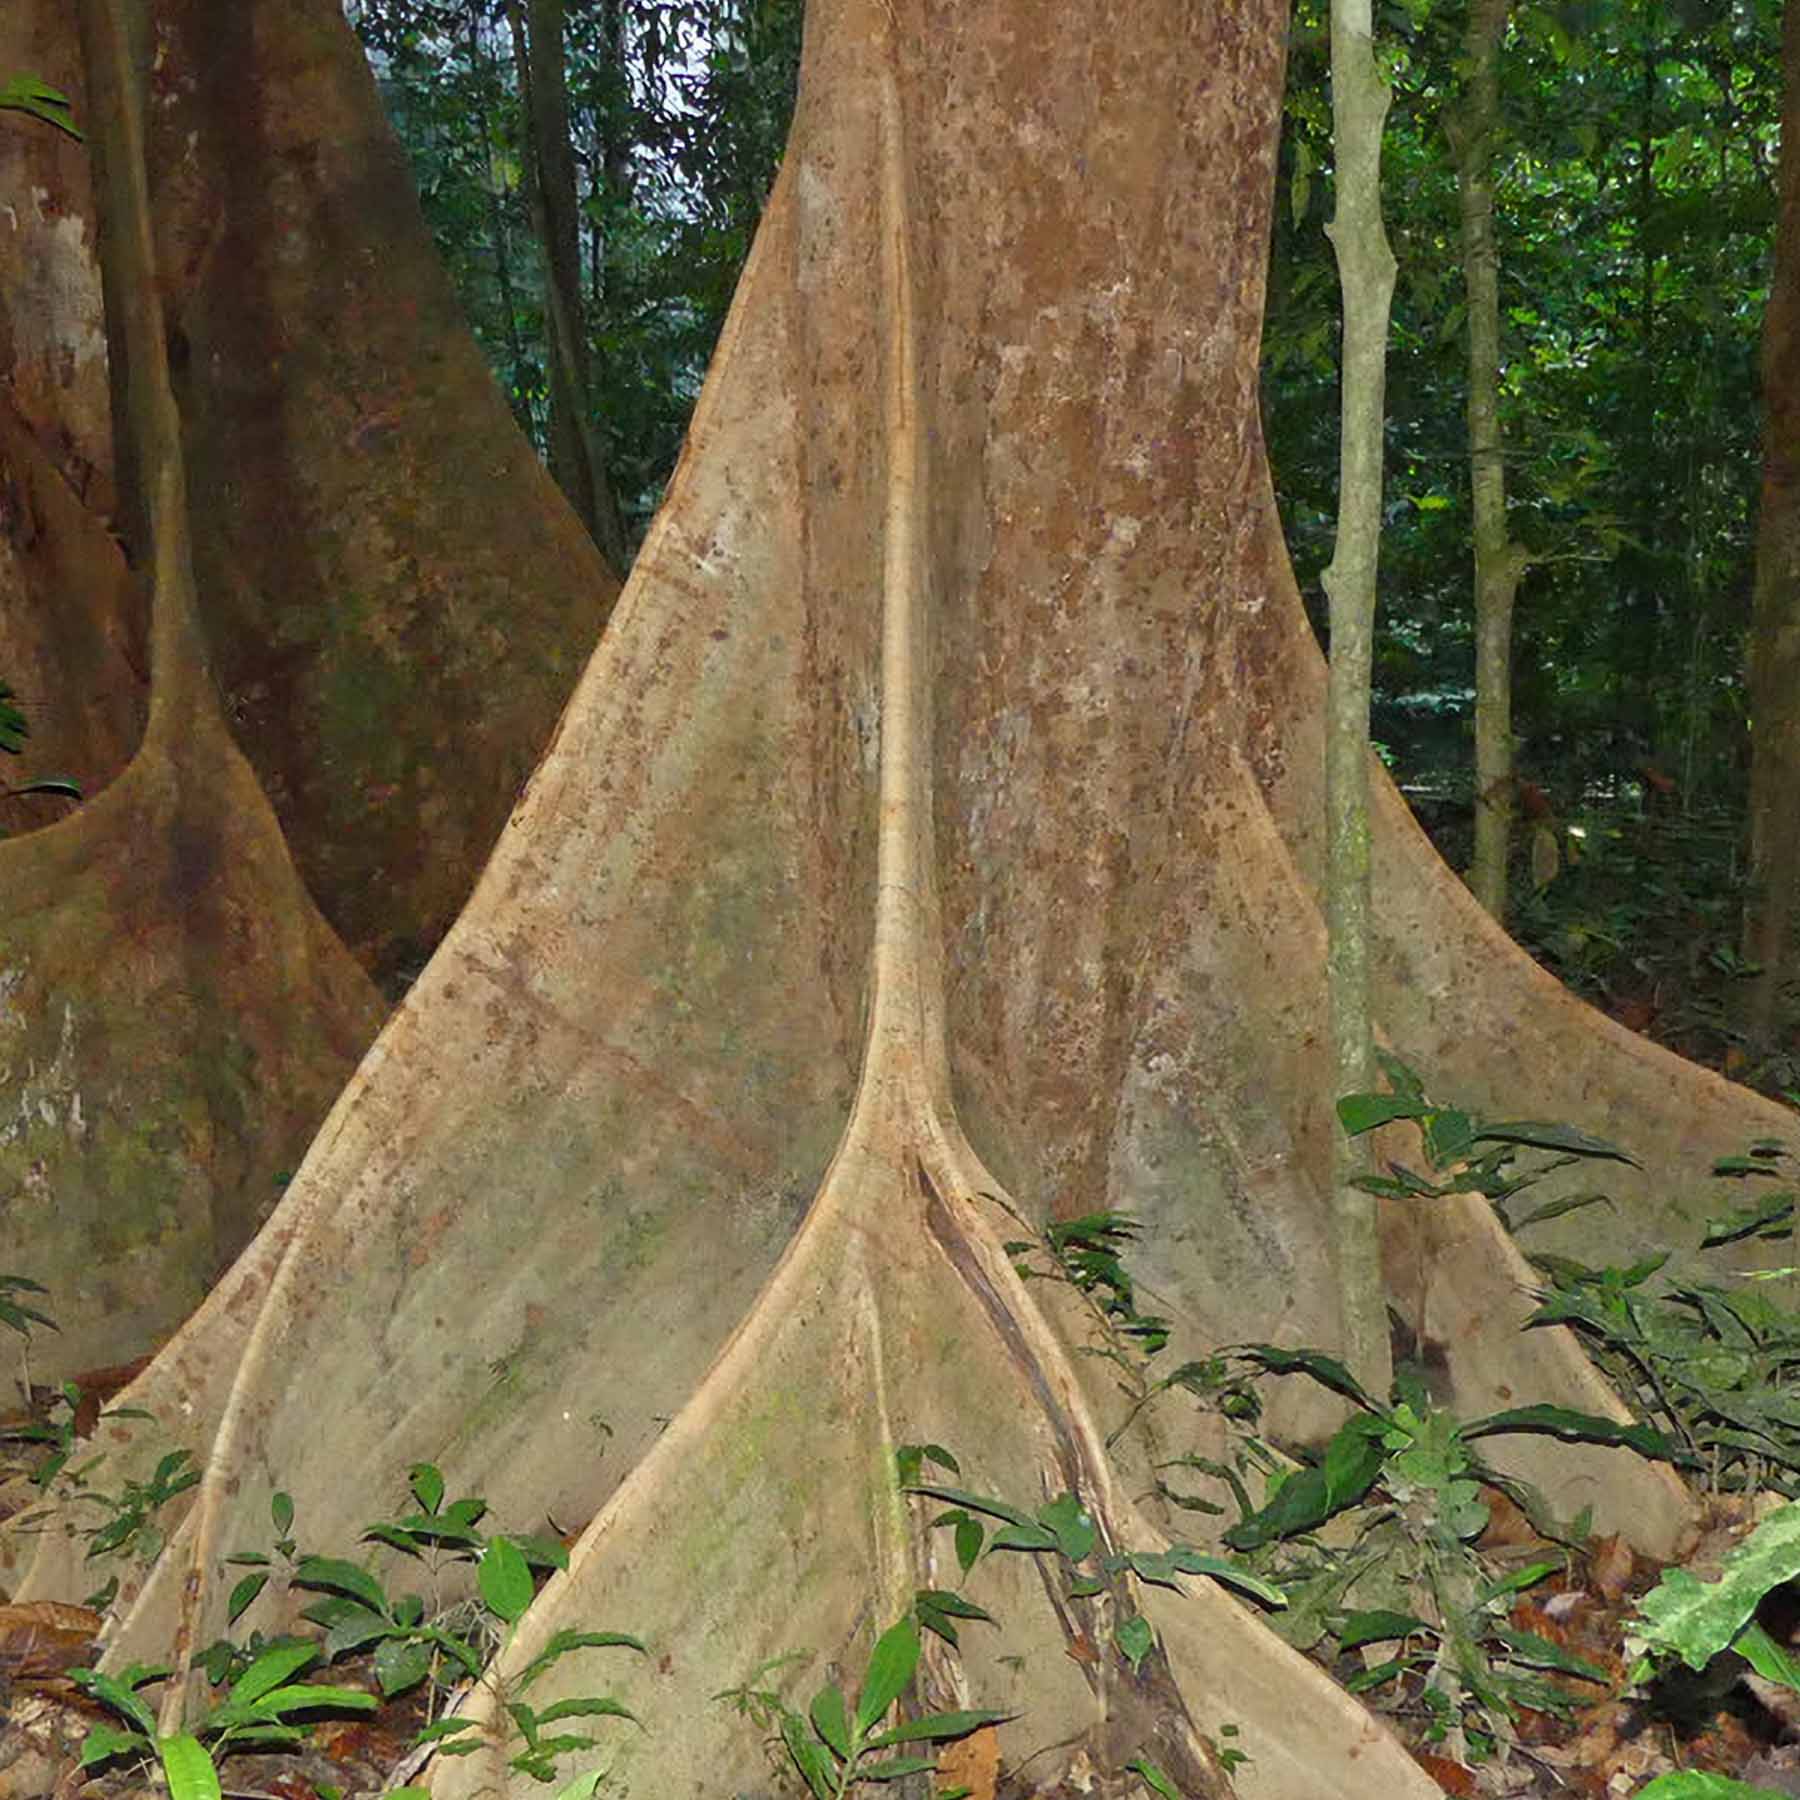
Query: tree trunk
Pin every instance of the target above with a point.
(576, 457)
(391, 700)
(1774, 673)
(1359, 104)
(1499, 563)
(939, 822)
(178, 1014)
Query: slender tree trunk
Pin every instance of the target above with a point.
(521, 395)
(1774, 673)
(1366, 273)
(1499, 563)
(577, 457)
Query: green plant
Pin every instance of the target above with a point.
(16, 1314)
(837, 1746)
(415, 1637)
(24, 94)
(1401, 1485)
(28, 94)
(263, 1707)
(1466, 1153)
(1712, 1366)
(1695, 1621)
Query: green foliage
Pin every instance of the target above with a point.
(1400, 1486)
(264, 1707)
(1629, 400)
(836, 1746)
(1469, 1155)
(1712, 1367)
(1696, 1621)
(678, 114)
(413, 1639)
(14, 730)
(27, 94)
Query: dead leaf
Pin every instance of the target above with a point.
(972, 1762)
(42, 1638)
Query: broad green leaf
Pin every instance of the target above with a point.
(348, 1625)
(543, 1552)
(831, 1719)
(981, 1503)
(1073, 1525)
(936, 1728)
(1695, 1620)
(1555, 1209)
(302, 1697)
(1154, 1778)
(105, 1741)
(891, 1665)
(1772, 1661)
(1376, 1627)
(281, 1512)
(400, 1665)
(338, 1576)
(1519, 1580)
(1162, 1566)
(1449, 1135)
(586, 1706)
(32, 95)
(1544, 1653)
(810, 1756)
(427, 1485)
(109, 1690)
(969, 1536)
(1540, 1136)
(894, 1769)
(271, 1669)
(504, 1578)
(1326, 1370)
(1366, 1679)
(1563, 1422)
(243, 1593)
(943, 1600)
(1699, 1784)
(1023, 1537)
(1135, 1640)
(188, 1768)
(443, 1728)
(1358, 1113)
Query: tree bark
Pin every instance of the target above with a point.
(938, 823)
(178, 1013)
(1499, 562)
(577, 459)
(1359, 104)
(1774, 671)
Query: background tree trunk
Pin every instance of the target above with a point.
(940, 818)
(178, 1013)
(1774, 673)
(1499, 563)
(577, 459)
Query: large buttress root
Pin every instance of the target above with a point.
(948, 769)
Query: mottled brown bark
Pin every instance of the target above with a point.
(363, 507)
(1774, 673)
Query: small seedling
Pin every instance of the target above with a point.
(265, 1706)
(837, 1747)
